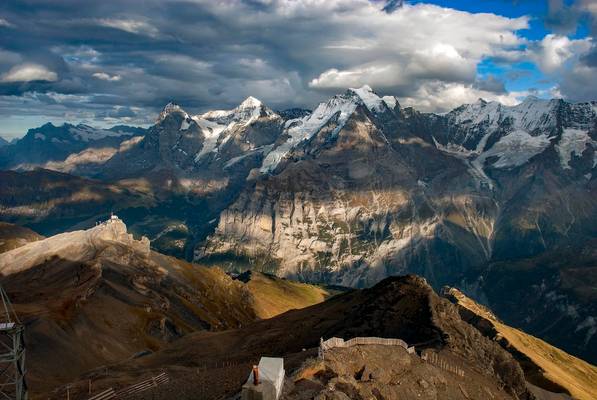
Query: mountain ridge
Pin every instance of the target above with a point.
(49, 143)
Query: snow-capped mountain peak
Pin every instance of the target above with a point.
(250, 102)
(218, 126)
(246, 112)
(371, 100)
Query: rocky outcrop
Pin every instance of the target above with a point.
(545, 366)
(380, 372)
(79, 246)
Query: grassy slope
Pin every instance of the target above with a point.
(575, 375)
(273, 296)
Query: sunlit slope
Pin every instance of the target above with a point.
(273, 295)
(578, 377)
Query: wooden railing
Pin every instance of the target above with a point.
(105, 395)
(142, 386)
(440, 362)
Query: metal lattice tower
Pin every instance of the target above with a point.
(12, 353)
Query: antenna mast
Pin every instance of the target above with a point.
(12, 352)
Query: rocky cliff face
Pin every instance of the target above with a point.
(354, 212)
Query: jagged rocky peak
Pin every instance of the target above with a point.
(169, 109)
(114, 229)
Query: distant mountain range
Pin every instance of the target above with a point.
(55, 143)
(496, 200)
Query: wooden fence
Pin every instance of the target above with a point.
(435, 359)
(142, 386)
(105, 395)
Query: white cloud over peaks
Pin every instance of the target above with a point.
(554, 51)
(106, 77)
(29, 72)
(440, 96)
(413, 44)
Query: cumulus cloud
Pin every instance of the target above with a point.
(408, 47)
(570, 63)
(563, 17)
(491, 83)
(29, 72)
(554, 51)
(440, 96)
(579, 83)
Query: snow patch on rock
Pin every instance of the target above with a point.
(515, 149)
(573, 141)
(390, 101)
(87, 133)
(211, 133)
(453, 149)
(185, 125)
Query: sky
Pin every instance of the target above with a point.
(115, 62)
